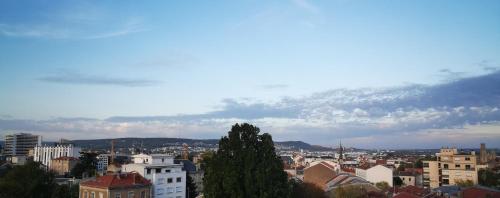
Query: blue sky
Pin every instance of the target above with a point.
(94, 69)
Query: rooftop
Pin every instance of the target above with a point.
(125, 180)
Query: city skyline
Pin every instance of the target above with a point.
(375, 74)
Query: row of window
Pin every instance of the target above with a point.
(169, 180)
(157, 170)
(130, 194)
(170, 190)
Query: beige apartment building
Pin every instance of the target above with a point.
(451, 167)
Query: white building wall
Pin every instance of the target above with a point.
(161, 170)
(45, 154)
(379, 173)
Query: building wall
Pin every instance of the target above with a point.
(379, 173)
(450, 167)
(85, 192)
(431, 174)
(62, 167)
(159, 174)
(45, 154)
(20, 143)
(408, 180)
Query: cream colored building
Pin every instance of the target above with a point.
(451, 167)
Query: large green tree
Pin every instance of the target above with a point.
(87, 165)
(244, 166)
(29, 180)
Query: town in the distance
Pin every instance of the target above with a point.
(182, 168)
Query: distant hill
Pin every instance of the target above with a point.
(160, 142)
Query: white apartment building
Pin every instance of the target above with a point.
(376, 174)
(103, 162)
(45, 154)
(168, 178)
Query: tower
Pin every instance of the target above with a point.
(483, 155)
(341, 152)
(185, 151)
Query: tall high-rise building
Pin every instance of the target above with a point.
(21, 143)
(450, 168)
(483, 154)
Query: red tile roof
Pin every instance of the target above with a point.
(479, 192)
(414, 190)
(117, 181)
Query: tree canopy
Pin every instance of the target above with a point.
(87, 165)
(245, 165)
(31, 180)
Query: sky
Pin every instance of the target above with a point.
(376, 74)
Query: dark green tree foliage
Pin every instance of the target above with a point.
(245, 165)
(66, 191)
(86, 166)
(397, 181)
(190, 187)
(489, 178)
(29, 180)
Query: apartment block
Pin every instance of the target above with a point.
(20, 143)
(450, 167)
(167, 177)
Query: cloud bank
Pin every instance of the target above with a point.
(461, 112)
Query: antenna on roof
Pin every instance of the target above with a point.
(112, 150)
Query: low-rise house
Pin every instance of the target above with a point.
(320, 173)
(126, 185)
(63, 165)
(375, 174)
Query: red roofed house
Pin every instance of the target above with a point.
(125, 185)
(63, 165)
(480, 192)
(320, 173)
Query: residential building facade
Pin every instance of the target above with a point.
(127, 185)
(450, 167)
(168, 178)
(376, 174)
(21, 143)
(63, 165)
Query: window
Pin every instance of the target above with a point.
(439, 165)
(159, 191)
(178, 189)
(446, 181)
(467, 159)
(167, 170)
(161, 180)
(409, 179)
(170, 190)
(467, 167)
(162, 160)
(403, 178)
(158, 170)
(179, 179)
(131, 194)
(457, 165)
(92, 195)
(118, 195)
(445, 166)
(148, 171)
(143, 194)
(85, 194)
(426, 165)
(169, 180)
